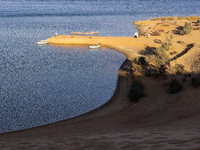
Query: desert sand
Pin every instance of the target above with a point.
(158, 121)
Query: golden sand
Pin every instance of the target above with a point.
(131, 46)
(158, 121)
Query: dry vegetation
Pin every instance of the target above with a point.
(163, 60)
(195, 65)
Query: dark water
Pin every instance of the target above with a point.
(45, 84)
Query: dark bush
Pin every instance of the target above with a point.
(195, 82)
(142, 60)
(174, 87)
(136, 92)
(184, 80)
(186, 74)
(138, 85)
(179, 69)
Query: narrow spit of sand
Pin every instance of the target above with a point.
(158, 121)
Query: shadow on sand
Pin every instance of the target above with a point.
(189, 46)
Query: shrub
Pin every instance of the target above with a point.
(142, 60)
(136, 68)
(179, 69)
(195, 64)
(160, 58)
(184, 80)
(171, 36)
(138, 85)
(186, 29)
(173, 52)
(186, 74)
(165, 46)
(182, 32)
(136, 92)
(139, 60)
(136, 64)
(174, 87)
(195, 82)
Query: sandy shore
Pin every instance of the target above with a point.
(158, 121)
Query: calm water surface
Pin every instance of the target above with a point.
(45, 84)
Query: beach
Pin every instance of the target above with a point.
(157, 121)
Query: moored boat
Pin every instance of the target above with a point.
(95, 46)
(42, 42)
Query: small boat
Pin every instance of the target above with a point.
(42, 42)
(95, 46)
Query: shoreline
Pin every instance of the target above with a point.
(158, 121)
(48, 129)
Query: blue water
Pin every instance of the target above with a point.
(45, 84)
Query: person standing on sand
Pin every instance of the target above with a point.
(148, 35)
(147, 72)
(136, 35)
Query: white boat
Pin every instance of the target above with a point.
(42, 42)
(95, 46)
